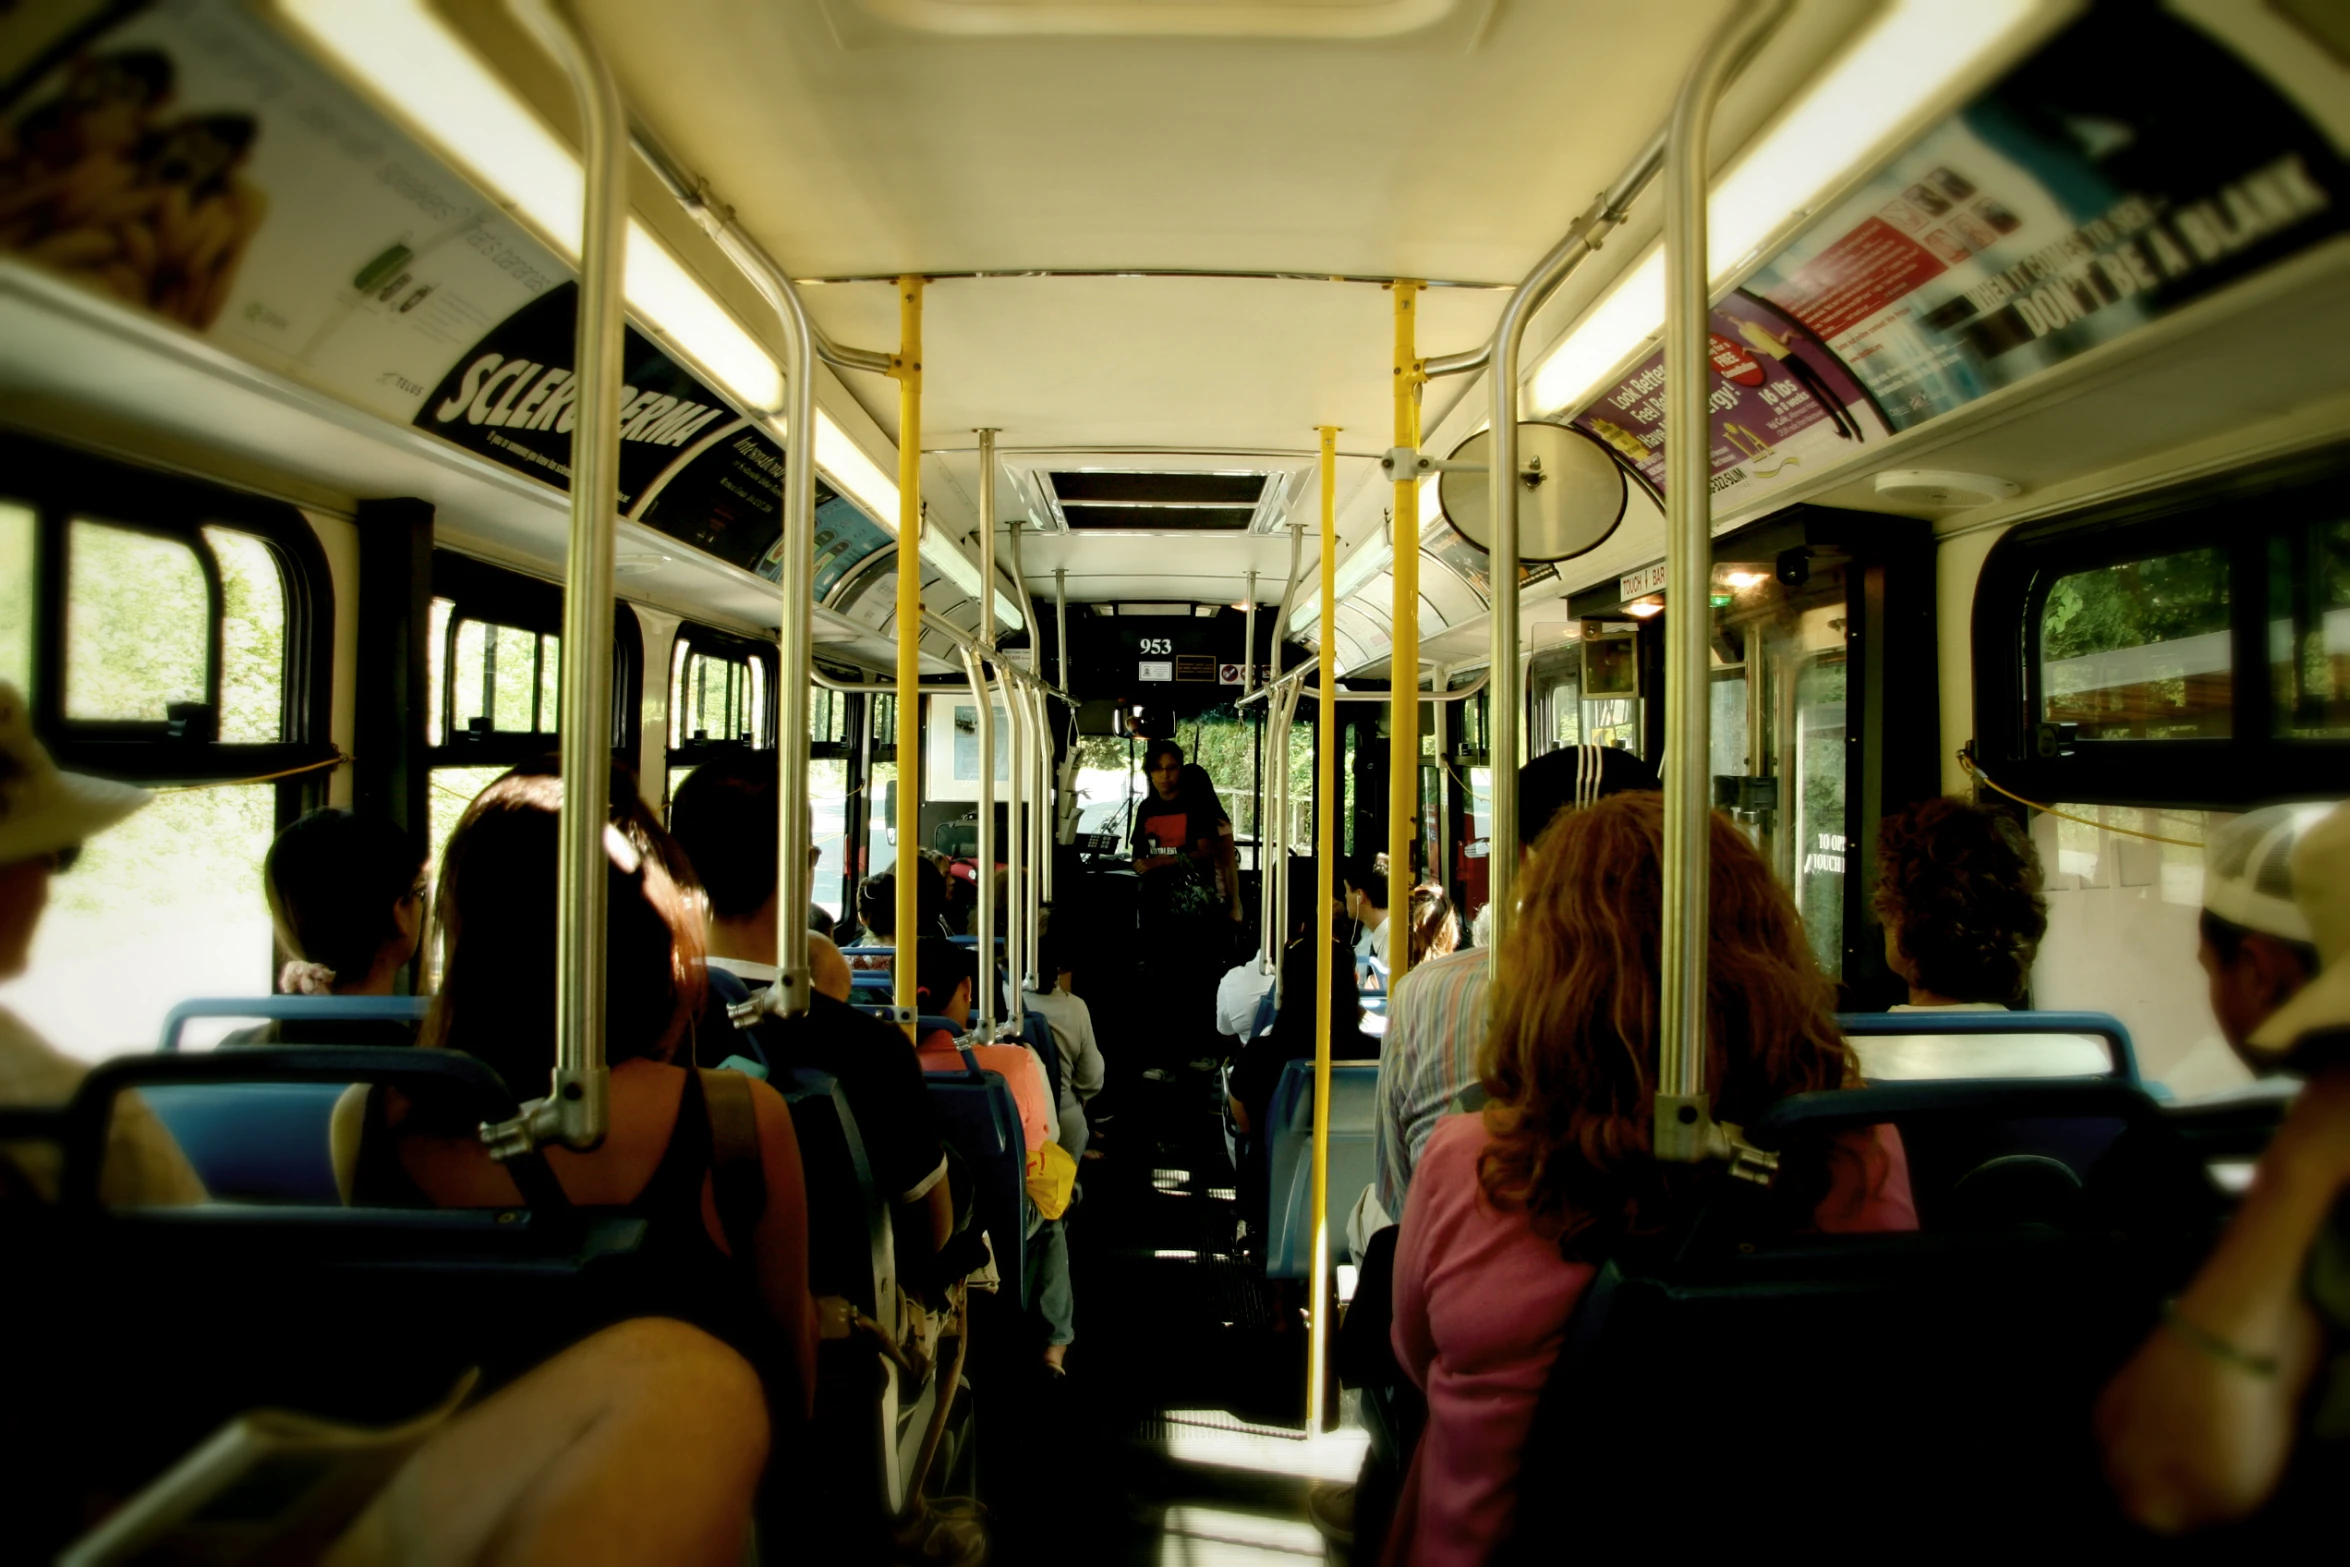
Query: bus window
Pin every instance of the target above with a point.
(507, 680)
(2139, 650)
(2308, 631)
(1226, 746)
(1818, 774)
(1727, 694)
(136, 623)
(714, 698)
(252, 637)
(16, 594)
(828, 796)
(881, 823)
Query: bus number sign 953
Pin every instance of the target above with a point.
(1162, 646)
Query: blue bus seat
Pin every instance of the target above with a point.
(1950, 1371)
(977, 1115)
(188, 1315)
(1267, 1005)
(1989, 1045)
(1990, 1153)
(1289, 1242)
(264, 1141)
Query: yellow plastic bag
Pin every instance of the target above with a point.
(1052, 1175)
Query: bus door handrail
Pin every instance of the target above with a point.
(1958, 1022)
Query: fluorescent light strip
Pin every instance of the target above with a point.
(1912, 54)
(403, 50)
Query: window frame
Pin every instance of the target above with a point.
(2238, 514)
(694, 637)
(63, 486)
(481, 592)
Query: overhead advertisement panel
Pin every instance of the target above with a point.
(185, 159)
(2132, 166)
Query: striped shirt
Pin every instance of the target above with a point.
(1435, 1022)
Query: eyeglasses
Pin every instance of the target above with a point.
(62, 860)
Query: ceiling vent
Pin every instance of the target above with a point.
(1157, 502)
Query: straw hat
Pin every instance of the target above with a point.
(41, 809)
(2321, 889)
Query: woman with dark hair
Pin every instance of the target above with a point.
(346, 898)
(1189, 898)
(1958, 891)
(495, 913)
(1512, 1211)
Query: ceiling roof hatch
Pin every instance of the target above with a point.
(1158, 502)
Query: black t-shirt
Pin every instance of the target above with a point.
(874, 1066)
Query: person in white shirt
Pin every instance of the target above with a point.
(1071, 1021)
(1366, 905)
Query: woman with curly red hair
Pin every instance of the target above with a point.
(1511, 1211)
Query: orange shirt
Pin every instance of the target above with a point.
(1015, 1064)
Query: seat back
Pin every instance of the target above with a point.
(1289, 1241)
(1947, 1043)
(977, 1116)
(850, 1252)
(265, 1141)
(188, 1315)
(1941, 1379)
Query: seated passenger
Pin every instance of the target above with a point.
(1243, 989)
(1256, 1071)
(1513, 1210)
(44, 817)
(1436, 1018)
(494, 912)
(1071, 1022)
(945, 973)
(724, 818)
(1366, 905)
(2240, 1399)
(1434, 930)
(944, 976)
(1958, 891)
(877, 910)
(346, 901)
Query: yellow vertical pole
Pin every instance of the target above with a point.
(1403, 723)
(1325, 852)
(907, 368)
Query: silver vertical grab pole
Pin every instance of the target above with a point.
(1060, 624)
(975, 664)
(1040, 804)
(1248, 647)
(1015, 852)
(577, 1109)
(1684, 1122)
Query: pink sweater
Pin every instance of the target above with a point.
(1481, 1307)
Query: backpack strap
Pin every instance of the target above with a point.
(737, 1177)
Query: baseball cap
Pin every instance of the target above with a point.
(2248, 876)
(2320, 869)
(43, 810)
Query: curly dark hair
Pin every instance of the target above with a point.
(1959, 886)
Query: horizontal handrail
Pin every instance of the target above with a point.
(280, 1009)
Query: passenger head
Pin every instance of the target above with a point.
(724, 817)
(1574, 775)
(820, 920)
(1162, 764)
(44, 817)
(877, 904)
(1366, 885)
(1958, 890)
(1056, 954)
(346, 898)
(944, 978)
(1433, 929)
(2258, 949)
(495, 910)
(1304, 886)
(828, 970)
(1570, 1062)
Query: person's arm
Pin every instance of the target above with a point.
(780, 1244)
(2198, 1426)
(1228, 866)
(1091, 1071)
